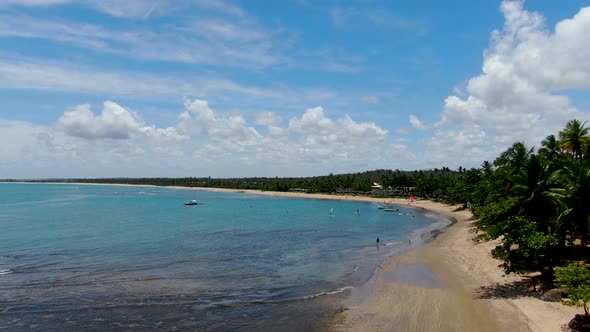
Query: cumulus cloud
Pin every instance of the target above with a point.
(465, 146)
(205, 141)
(199, 119)
(526, 68)
(114, 122)
(311, 137)
(313, 123)
(267, 119)
(317, 139)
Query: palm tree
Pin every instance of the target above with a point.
(531, 184)
(574, 137)
(573, 196)
(552, 154)
(487, 168)
(551, 148)
(514, 157)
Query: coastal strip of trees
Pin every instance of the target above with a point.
(424, 183)
(537, 203)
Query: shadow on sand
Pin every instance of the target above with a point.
(528, 286)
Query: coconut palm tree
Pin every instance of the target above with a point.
(551, 153)
(487, 168)
(531, 184)
(514, 157)
(573, 197)
(551, 147)
(574, 138)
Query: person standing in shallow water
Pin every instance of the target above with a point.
(377, 241)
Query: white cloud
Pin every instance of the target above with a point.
(525, 69)
(117, 142)
(220, 42)
(136, 8)
(352, 17)
(114, 122)
(320, 136)
(267, 119)
(31, 74)
(32, 2)
(402, 131)
(128, 8)
(199, 119)
(466, 147)
(17, 74)
(458, 90)
(312, 121)
(417, 124)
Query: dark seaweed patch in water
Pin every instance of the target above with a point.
(149, 315)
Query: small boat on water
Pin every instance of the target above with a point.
(193, 202)
(390, 209)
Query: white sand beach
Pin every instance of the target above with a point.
(477, 296)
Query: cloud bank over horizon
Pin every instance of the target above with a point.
(132, 121)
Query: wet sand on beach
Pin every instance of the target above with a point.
(475, 295)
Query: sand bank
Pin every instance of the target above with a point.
(470, 292)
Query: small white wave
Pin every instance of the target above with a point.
(7, 271)
(336, 291)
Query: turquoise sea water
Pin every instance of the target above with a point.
(83, 257)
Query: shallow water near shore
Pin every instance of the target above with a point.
(414, 274)
(136, 258)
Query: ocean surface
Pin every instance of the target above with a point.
(123, 258)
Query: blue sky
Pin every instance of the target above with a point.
(95, 88)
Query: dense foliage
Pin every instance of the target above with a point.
(536, 202)
(394, 182)
(577, 279)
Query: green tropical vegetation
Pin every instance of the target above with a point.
(577, 280)
(537, 204)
